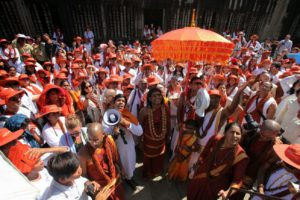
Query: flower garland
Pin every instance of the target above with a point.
(153, 132)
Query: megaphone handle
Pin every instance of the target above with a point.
(123, 136)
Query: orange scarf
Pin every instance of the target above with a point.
(128, 116)
(34, 90)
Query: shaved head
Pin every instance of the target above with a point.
(270, 130)
(95, 129)
(271, 125)
(95, 135)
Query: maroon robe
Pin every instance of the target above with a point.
(154, 150)
(227, 170)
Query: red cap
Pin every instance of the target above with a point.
(48, 109)
(8, 93)
(130, 86)
(23, 76)
(219, 77)
(214, 92)
(3, 73)
(31, 60)
(9, 80)
(152, 80)
(29, 63)
(61, 60)
(102, 70)
(112, 56)
(78, 60)
(6, 136)
(61, 76)
(127, 76)
(150, 66)
(17, 155)
(232, 77)
(26, 55)
(97, 56)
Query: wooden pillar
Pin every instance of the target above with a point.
(26, 20)
(272, 29)
(104, 27)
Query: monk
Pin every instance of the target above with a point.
(187, 142)
(155, 120)
(260, 150)
(99, 160)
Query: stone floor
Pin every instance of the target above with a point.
(158, 189)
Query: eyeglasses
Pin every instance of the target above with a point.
(89, 86)
(91, 69)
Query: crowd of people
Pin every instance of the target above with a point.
(221, 127)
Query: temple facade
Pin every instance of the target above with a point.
(125, 19)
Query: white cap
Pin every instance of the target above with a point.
(21, 36)
(202, 102)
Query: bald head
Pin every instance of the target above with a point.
(95, 135)
(271, 125)
(95, 129)
(109, 94)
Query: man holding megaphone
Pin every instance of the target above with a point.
(120, 123)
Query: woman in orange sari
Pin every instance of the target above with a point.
(155, 120)
(222, 165)
(187, 143)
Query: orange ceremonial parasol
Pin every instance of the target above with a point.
(192, 44)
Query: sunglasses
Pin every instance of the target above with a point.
(89, 86)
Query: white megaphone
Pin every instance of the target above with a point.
(111, 117)
(293, 187)
(202, 102)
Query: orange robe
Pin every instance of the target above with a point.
(94, 175)
(154, 149)
(227, 170)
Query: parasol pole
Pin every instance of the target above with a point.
(193, 24)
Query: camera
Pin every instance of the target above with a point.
(251, 124)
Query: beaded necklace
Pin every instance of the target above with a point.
(153, 132)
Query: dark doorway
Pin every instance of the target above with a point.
(153, 16)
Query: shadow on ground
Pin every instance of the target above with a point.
(159, 188)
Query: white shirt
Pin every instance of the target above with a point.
(285, 44)
(89, 35)
(57, 191)
(126, 151)
(53, 135)
(43, 183)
